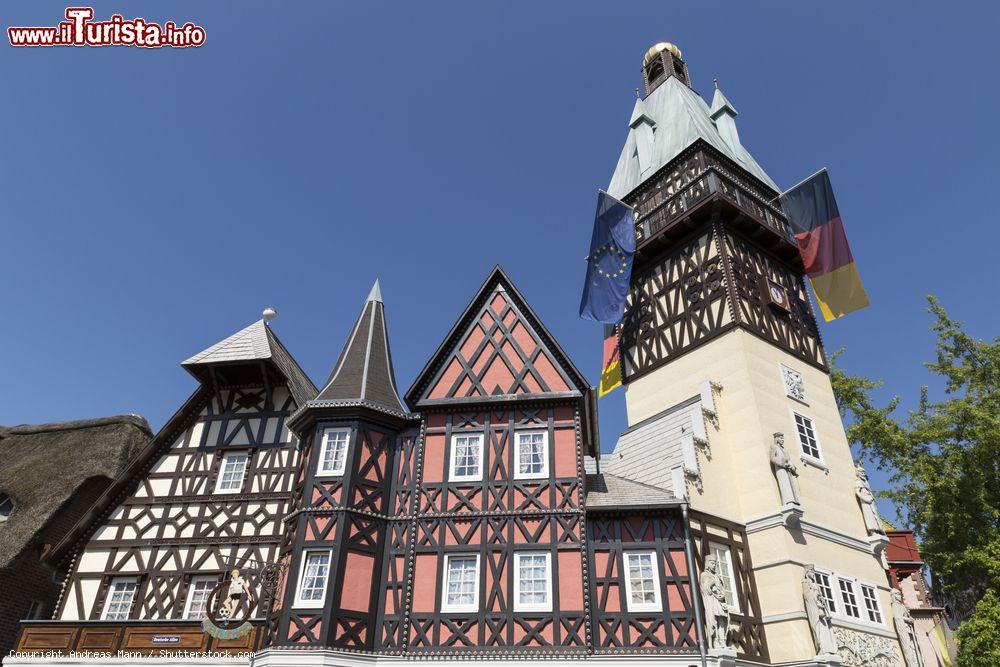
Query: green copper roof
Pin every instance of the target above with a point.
(661, 126)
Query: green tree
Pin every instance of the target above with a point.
(943, 459)
(979, 636)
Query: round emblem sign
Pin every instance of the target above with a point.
(230, 607)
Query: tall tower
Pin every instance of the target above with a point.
(719, 318)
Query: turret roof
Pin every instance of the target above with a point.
(363, 372)
(680, 118)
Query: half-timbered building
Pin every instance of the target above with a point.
(479, 519)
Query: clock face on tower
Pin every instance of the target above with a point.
(774, 294)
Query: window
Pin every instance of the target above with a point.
(118, 604)
(642, 580)
(841, 594)
(533, 581)
(35, 609)
(725, 571)
(823, 580)
(333, 452)
(872, 608)
(234, 465)
(197, 596)
(532, 455)
(6, 507)
(312, 579)
(807, 436)
(466, 458)
(849, 598)
(461, 583)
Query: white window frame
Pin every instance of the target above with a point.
(807, 457)
(730, 572)
(192, 589)
(874, 599)
(303, 564)
(459, 607)
(105, 613)
(222, 470)
(856, 602)
(473, 477)
(656, 604)
(857, 586)
(336, 470)
(532, 606)
(544, 473)
(829, 586)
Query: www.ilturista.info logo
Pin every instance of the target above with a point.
(81, 30)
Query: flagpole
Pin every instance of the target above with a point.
(796, 185)
(602, 191)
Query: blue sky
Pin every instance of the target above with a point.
(154, 201)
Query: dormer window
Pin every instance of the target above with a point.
(6, 507)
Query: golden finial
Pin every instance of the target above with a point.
(658, 48)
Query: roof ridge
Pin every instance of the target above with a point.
(77, 424)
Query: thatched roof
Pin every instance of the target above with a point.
(42, 466)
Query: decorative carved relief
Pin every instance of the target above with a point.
(795, 384)
(860, 649)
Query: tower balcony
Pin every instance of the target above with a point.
(699, 186)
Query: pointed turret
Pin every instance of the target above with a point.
(724, 114)
(363, 371)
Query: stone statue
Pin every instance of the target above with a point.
(818, 614)
(904, 629)
(784, 471)
(713, 597)
(867, 500)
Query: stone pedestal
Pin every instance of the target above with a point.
(828, 660)
(724, 657)
(790, 514)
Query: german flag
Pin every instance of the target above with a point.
(611, 368)
(815, 220)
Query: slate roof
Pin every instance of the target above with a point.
(43, 465)
(679, 118)
(256, 342)
(606, 491)
(647, 451)
(363, 374)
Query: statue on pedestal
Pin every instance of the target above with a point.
(713, 597)
(818, 614)
(866, 499)
(904, 629)
(784, 471)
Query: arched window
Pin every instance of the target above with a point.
(6, 507)
(655, 71)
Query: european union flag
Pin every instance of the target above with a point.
(609, 265)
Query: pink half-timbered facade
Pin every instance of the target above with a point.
(473, 520)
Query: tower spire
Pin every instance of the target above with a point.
(364, 371)
(724, 114)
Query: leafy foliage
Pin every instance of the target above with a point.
(944, 462)
(979, 637)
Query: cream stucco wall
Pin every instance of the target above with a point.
(738, 483)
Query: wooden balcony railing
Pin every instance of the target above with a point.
(693, 181)
(128, 638)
